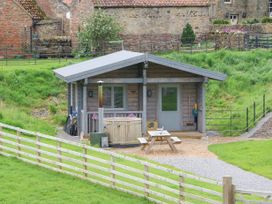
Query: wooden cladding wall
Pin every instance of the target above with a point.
(152, 102)
(189, 97)
(159, 71)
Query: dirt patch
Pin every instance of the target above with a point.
(188, 148)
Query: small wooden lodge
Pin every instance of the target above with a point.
(138, 85)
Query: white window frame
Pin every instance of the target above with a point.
(227, 1)
(112, 96)
(270, 8)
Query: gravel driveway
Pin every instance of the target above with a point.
(215, 169)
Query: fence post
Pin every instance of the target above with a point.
(113, 169)
(85, 152)
(38, 139)
(264, 108)
(59, 153)
(146, 170)
(6, 56)
(18, 142)
(0, 138)
(247, 128)
(181, 189)
(254, 113)
(228, 190)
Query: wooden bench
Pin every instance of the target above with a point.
(176, 140)
(143, 142)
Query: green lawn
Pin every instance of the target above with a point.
(254, 156)
(25, 183)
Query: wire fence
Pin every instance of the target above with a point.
(234, 122)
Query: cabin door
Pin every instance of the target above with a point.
(169, 108)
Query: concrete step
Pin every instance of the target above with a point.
(187, 135)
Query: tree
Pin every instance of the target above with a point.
(188, 36)
(98, 28)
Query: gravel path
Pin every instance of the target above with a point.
(215, 169)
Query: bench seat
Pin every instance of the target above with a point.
(176, 140)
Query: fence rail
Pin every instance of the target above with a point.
(138, 177)
(93, 122)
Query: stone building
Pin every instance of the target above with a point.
(149, 24)
(239, 10)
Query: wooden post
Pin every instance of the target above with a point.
(85, 152)
(228, 190)
(18, 142)
(146, 170)
(38, 147)
(84, 122)
(254, 113)
(0, 138)
(60, 154)
(181, 189)
(113, 169)
(264, 108)
(144, 117)
(247, 122)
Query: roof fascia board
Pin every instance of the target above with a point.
(186, 68)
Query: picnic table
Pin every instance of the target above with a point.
(160, 136)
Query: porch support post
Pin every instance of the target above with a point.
(144, 117)
(203, 102)
(84, 116)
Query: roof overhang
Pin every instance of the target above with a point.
(123, 59)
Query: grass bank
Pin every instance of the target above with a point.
(44, 186)
(31, 96)
(254, 156)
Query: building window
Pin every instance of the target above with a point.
(114, 97)
(227, 1)
(234, 19)
(270, 8)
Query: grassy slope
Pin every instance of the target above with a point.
(31, 96)
(38, 185)
(249, 75)
(252, 156)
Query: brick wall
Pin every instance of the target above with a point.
(80, 10)
(13, 26)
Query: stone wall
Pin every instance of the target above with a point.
(244, 8)
(56, 9)
(158, 29)
(46, 29)
(230, 41)
(255, 28)
(13, 27)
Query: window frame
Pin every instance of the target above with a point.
(227, 2)
(112, 86)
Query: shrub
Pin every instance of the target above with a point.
(188, 36)
(98, 28)
(221, 22)
(267, 20)
(251, 21)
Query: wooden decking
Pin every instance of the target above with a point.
(187, 134)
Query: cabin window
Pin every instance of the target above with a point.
(114, 97)
(169, 99)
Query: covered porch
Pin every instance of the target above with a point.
(161, 92)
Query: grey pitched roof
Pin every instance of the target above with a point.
(124, 59)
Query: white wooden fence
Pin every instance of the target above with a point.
(138, 177)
